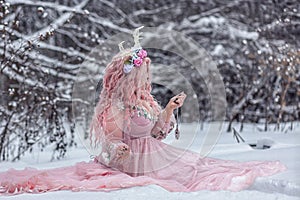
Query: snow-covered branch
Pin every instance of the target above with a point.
(59, 7)
(56, 23)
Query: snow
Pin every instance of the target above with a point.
(284, 146)
(205, 22)
(236, 33)
(218, 50)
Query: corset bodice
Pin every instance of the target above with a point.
(140, 125)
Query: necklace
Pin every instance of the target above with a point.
(143, 112)
(140, 110)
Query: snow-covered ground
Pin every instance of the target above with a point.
(285, 146)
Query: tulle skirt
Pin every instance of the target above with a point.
(185, 173)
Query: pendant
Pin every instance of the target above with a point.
(177, 133)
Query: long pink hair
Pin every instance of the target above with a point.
(128, 88)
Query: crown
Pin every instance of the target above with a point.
(137, 53)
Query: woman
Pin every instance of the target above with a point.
(116, 123)
(128, 126)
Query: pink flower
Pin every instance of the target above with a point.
(142, 53)
(138, 61)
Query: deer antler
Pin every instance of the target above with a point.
(136, 37)
(121, 46)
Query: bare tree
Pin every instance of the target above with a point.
(254, 43)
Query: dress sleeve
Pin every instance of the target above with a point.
(114, 151)
(161, 128)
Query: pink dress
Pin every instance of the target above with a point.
(150, 162)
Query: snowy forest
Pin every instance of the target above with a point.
(254, 43)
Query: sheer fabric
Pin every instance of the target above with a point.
(147, 160)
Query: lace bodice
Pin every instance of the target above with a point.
(141, 124)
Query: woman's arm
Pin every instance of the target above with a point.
(166, 120)
(114, 151)
(164, 125)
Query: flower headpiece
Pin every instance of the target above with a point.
(136, 60)
(137, 54)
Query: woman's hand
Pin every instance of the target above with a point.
(117, 153)
(176, 102)
(122, 152)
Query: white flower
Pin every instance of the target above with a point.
(127, 68)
